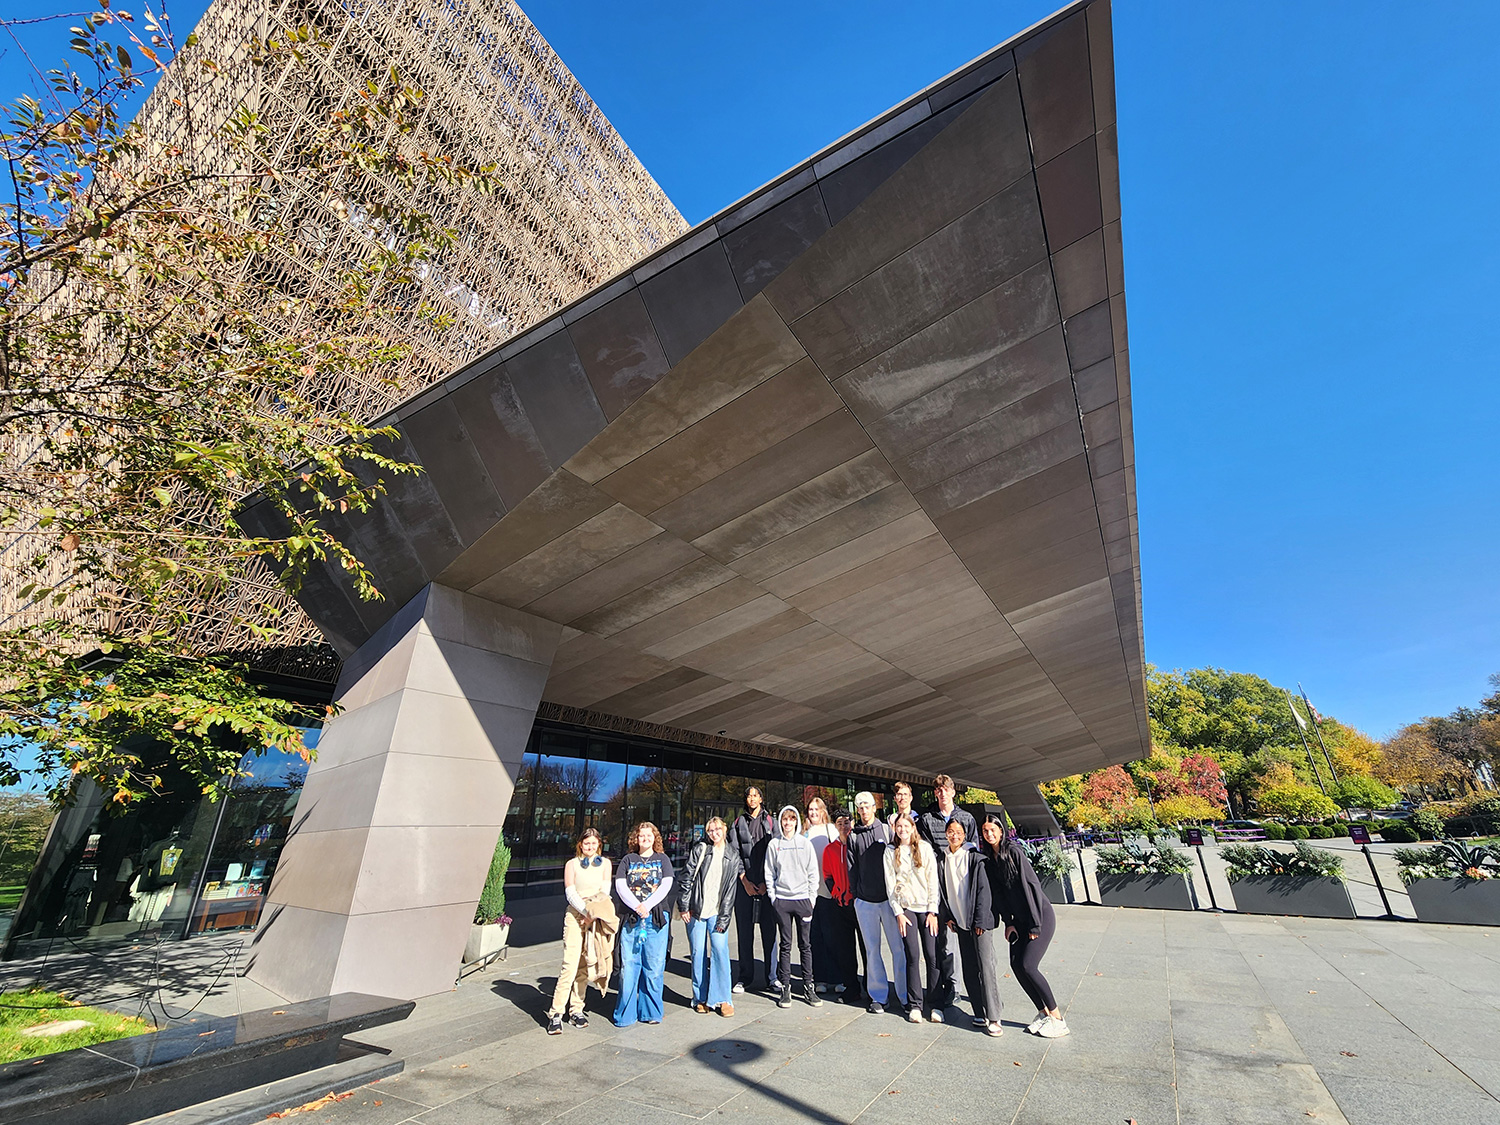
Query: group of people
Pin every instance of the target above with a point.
(934, 887)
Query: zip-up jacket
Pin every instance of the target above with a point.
(867, 861)
(932, 826)
(976, 908)
(690, 897)
(749, 835)
(791, 864)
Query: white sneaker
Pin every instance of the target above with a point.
(993, 1028)
(913, 1016)
(1055, 1027)
(937, 1016)
(1036, 1025)
(838, 990)
(773, 986)
(822, 989)
(738, 987)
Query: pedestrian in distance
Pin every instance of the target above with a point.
(751, 833)
(911, 884)
(820, 832)
(586, 884)
(644, 886)
(867, 843)
(932, 826)
(1029, 921)
(792, 878)
(968, 912)
(842, 926)
(706, 901)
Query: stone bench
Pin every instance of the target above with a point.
(188, 1062)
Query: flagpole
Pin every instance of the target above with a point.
(1313, 717)
(1302, 733)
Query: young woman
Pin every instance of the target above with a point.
(911, 884)
(585, 880)
(1029, 923)
(969, 914)
(842, 924)
(792, 880)
(820, 832)
(643, 885)
(706, 901)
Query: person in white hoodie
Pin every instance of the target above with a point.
(792, 878)
(911, 886)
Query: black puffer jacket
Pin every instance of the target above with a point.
(690, 897)
(749, 836)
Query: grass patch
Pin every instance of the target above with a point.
(20, 1010)
(10, 896)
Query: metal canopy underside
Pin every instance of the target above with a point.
(848, 467)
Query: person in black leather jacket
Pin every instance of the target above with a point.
(705, 901)
(750, 835)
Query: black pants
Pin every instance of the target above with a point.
(981, 973)
(921, 950)
(840, 933)
(947, 985)
(751, 912)
(1025, 961)
(823, 956)
(794, 916)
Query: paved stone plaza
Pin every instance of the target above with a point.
(1193, 1018)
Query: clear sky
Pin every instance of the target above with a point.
(1311, 242)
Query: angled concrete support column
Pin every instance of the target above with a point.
(1029, 810)
(393, 834)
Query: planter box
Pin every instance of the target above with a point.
(1153, 892)
(1306, 895)
(1058, 890)
(485, 941)
(1473, 902)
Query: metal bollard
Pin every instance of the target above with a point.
(1388, 916)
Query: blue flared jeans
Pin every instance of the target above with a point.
(710, 951)
(643, 966)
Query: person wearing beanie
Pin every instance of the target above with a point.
(792, 878)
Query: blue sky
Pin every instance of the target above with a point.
(1310, 246)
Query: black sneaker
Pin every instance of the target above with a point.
(579, 1020)
(875, 1009)
(811, 996)
(785, 1000)
(554, 1025)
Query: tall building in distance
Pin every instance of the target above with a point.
(574, 206)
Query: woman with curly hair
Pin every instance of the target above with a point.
(643, 886)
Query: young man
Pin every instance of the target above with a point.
(750, 835)
(867, 844)
(792, 885)
(933, 827)
(839, 905)
(903, 808)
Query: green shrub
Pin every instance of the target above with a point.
(1298, 832)
(1320, 832)
(491, 906)
(1460, 825)
(1485, 812)
(1429, 824)
(1245, 860)
(1398, 832)
(1140, 859)
(1049, 860)
(1275, 831)
(1448, 860)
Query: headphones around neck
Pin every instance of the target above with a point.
(590, 860)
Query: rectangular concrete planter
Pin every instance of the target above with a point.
(1306, 895)
(485, 940)
(1058, 890)
(1153, 892)
(1472, 902)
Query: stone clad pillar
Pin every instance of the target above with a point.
(392, 838)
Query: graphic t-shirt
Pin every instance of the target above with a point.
(643, 878)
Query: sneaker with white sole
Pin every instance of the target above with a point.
(738, 987)
(1036, 1025)
(913, 1016)
(937, 1016)
(1055, 1027)
(993, 1028)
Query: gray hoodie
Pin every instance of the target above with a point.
(791, 864)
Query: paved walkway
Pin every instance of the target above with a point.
(1192, 1018)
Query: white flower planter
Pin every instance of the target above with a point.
(485, 941)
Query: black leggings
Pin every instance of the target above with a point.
(1025, 960)
(921, 949)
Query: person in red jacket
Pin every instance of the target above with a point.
(842, 924)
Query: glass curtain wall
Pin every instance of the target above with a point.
(573, 779)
